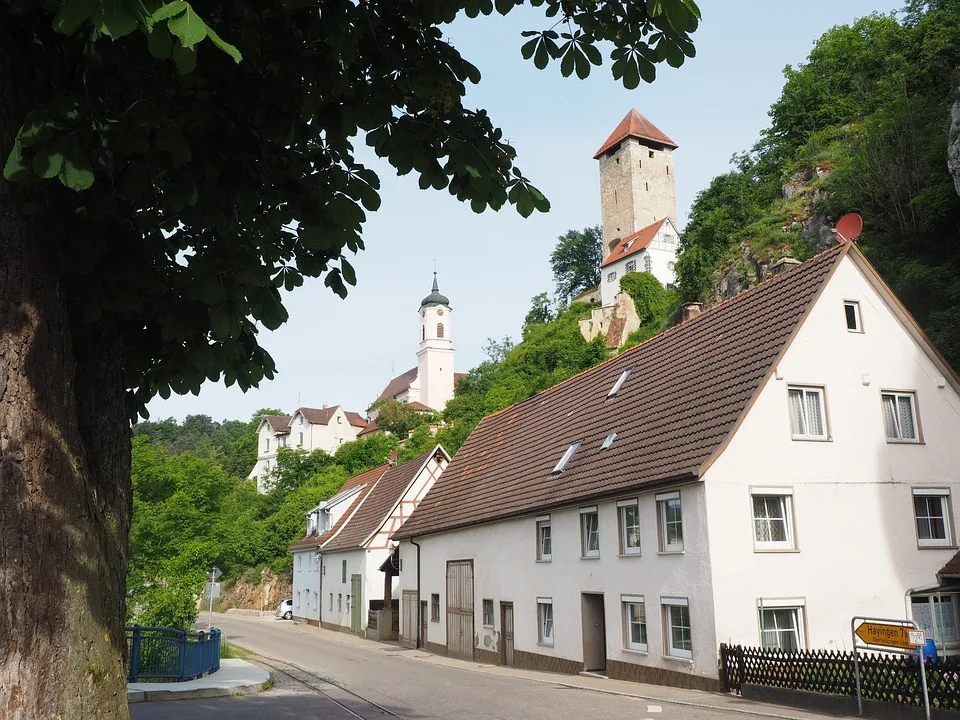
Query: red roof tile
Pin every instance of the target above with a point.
(952, 568)
(278, 423)
(370, 429)
(634, 242)
(707, 369)
(380, 503)
(420, 407)
(637, 126)
(614, 331)
(355, 419)
(322, 416)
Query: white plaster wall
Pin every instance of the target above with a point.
(855, 528)
(358, 561)
(331, 436)
(505, 569)
(435, 357)
(663, 257)
(306, 581)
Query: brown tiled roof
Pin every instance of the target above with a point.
(952, 568)
(399, 384)
(687, 389)
(366, 481)
(614, 332)
(278, 423)
(634, 242)
(637, 126)
(379, 503)
(317, 416)
(355, 419)
(420, 407)
(370, 429)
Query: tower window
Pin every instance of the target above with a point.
(423, 332)
(439, 330)
(648, 186)
(650, 153)
(668, 169)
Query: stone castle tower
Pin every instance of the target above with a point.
(435, 356)
(636, 179)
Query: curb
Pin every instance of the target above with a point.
(137, 696)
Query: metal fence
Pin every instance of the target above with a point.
(890, 678)
(170, 655)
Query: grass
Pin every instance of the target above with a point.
(228, 650)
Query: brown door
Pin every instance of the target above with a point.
(506, 633)
(409, 637)
(594, 632)
(460, 609)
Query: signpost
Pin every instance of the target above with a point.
(897, 636)
(212, 590)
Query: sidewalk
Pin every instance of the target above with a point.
(655, 693)
(235, 677)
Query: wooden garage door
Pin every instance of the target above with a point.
(460, 609)
(410, 603)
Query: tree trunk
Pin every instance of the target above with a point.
(65, 501)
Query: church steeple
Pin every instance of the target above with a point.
(435, 357)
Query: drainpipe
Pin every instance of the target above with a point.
(320, 599)
(417, 545)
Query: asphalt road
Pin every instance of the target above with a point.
(408, 684)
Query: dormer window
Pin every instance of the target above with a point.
(339, 420)
(619, 383)
(565, 459)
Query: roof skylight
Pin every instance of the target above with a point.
(627, 246)
(565, 459)
(608, 441)
(619, 383)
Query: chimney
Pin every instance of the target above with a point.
(393, 457)
(784, 264)
(690, 311)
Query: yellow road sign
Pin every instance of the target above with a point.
(884, 635)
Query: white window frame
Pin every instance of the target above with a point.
(331, 602)
(786, 504)
(858, 319)
(435, 607)
(647, 263)
(626, 601)
(542, 605)
(805, 390)
(268, 445)
(611, 276)
(543, 522)
(669, 605)
(622, 506)
(897, 395)
(797, 605)
(943, 494)
(585, 513)
(484, 607)
(340, 602)
(298, 599)
(932, 626)
(663, 499)
(631, 266)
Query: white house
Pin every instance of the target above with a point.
(652, 249)
(757, 475)
(429, 385)
(308, 429)
(336, 565)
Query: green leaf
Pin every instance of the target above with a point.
(349, 274)
(72, 14)
(582, 64)
(188, 27)
(16, 170)
(169, 10)
(540, 57)
(160, 42)
(49, 160)
(114, 18)
(566, 65)
(185, 59)
(527, 49)
(75, 172)
(224, 45)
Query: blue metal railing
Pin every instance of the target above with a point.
(170, 655)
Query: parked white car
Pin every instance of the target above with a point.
(285, 609)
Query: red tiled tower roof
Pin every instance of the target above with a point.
(637, 126)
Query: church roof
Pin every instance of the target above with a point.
(435, 298)
(708, 370)
(637, 126)
(399, 384)
(634, 242)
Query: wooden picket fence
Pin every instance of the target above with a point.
(890, 678)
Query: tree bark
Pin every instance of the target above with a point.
(65, 498)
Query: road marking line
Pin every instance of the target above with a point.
(654, 709)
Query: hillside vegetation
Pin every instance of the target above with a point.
(863, 127)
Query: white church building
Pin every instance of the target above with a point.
(429, 385)
(758, 475)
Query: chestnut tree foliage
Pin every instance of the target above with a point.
(220, 136)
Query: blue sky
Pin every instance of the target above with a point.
(335, 351)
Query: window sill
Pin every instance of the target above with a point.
(905, 442)
(543, 644)
(674, 658)
(489, 627)
(937, 547)
(644, 653)
(589, 557)
(811, 439)
(768, 551)
(549, 560)
(630, 555)
(670, 552)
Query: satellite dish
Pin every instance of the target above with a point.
(849, 228)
